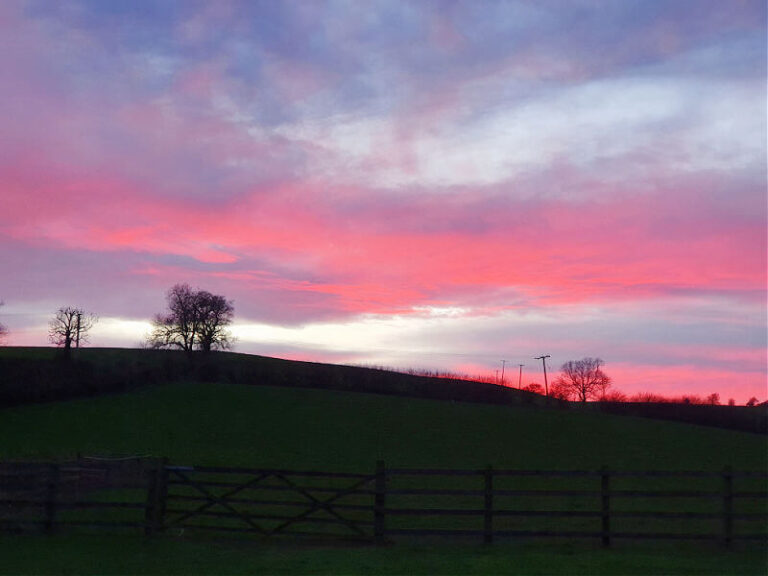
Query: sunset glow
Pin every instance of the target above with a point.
(436, 185)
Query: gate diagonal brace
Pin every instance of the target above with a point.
(220, 500)
(318, 504)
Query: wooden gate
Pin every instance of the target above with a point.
(267, 502)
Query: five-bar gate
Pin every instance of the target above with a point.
(267, 502)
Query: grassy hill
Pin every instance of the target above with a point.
(217, 423)
(29, 375)
(41, 374)
(305, 414)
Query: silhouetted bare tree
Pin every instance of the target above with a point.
(216, 313)
(614, 396)
(178, 327)
(648, 397)
(559, 391)
(583, 379)
(534, 387)
(69, 327)
(195, 319)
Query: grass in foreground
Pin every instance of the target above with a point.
(114, 554)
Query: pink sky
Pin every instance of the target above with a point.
(418, 185)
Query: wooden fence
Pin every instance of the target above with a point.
(386, 504)
(85, 493)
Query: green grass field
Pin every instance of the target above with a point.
(260, 426)
(111, 554)
(301, 428)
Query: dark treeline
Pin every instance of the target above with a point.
(745, 418)
(31, 375)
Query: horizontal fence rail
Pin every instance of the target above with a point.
(86, 493)
(603, 504)
(150, 495)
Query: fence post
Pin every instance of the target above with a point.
(379, 505)
(605, 494)
(150, 509)
(163, 500)
(488, 510)
(727, 505)
(52, 489)
(157, 492)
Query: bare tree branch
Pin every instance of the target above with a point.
(196, 319)
(215, 314)
(70, 326)
(582, 379)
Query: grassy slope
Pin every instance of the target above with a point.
(35, 374)
(301, 428)
(29, 375)
(269, 426)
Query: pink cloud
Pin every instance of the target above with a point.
(552, 251)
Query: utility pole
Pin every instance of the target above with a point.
(502, 371)
(520, 379)
(544, 363)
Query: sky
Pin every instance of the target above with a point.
(435, 185)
